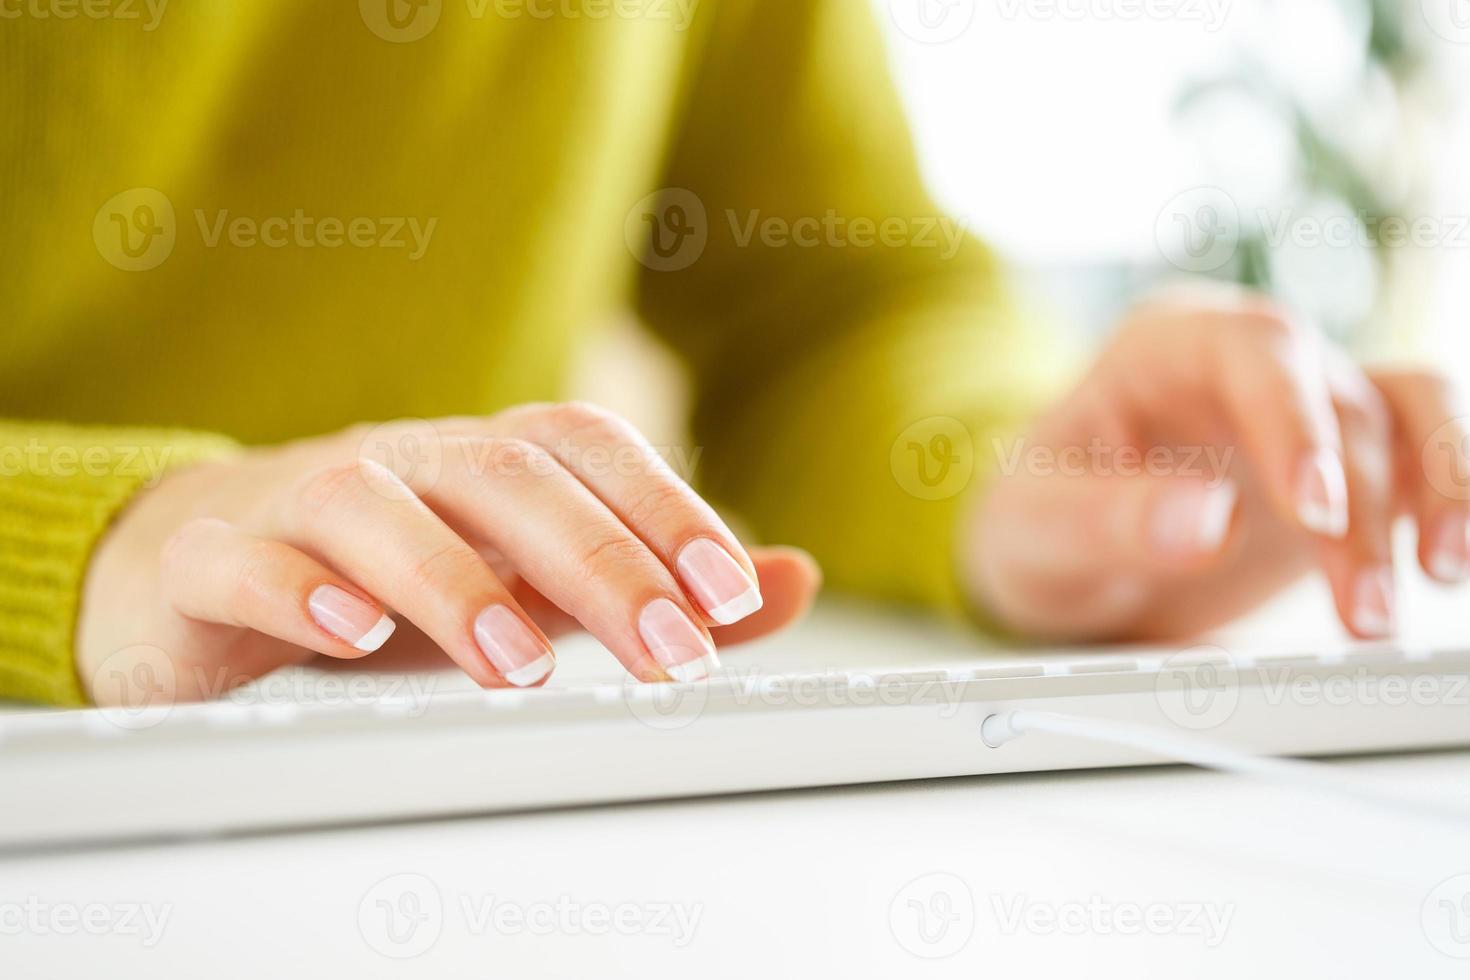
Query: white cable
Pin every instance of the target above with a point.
(998, 729)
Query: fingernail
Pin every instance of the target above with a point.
(1373, 603)
(511, 647)
(719, 583)
(676, 643)
(1194, 519)
(1449, 561)
(1322, 494)
(349, 618)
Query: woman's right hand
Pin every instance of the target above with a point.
(483, 535)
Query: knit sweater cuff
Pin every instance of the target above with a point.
(60, 488)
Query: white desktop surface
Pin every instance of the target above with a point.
(819, 883)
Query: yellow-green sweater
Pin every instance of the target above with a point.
(142, 323)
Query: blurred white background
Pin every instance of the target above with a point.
(1055, 128)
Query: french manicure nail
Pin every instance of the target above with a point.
(511, 647)
(1194, 519)
(1373, 603)
(1449, 560)
(1322, 494)
(349, 618)
(676, 643)
(719, 583)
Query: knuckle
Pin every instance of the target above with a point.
(656, 501)
(326, 486)
(611, 553)
(513, 457)
(176, 547)
(580, 416)
(446, 567)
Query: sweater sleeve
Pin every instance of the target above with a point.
(60, 488)
(856, 358)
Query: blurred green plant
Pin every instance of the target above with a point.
(1325, 166)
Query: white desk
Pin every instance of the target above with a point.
(1236, 878)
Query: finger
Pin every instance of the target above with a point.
(565, 542)
(614, 460)
(363, 520)
(789, 579)
(1274, 388)
(1360, 565)
(1434, 467)
(216, 573)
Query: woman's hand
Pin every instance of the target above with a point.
(1217, 450)
(483, 535)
